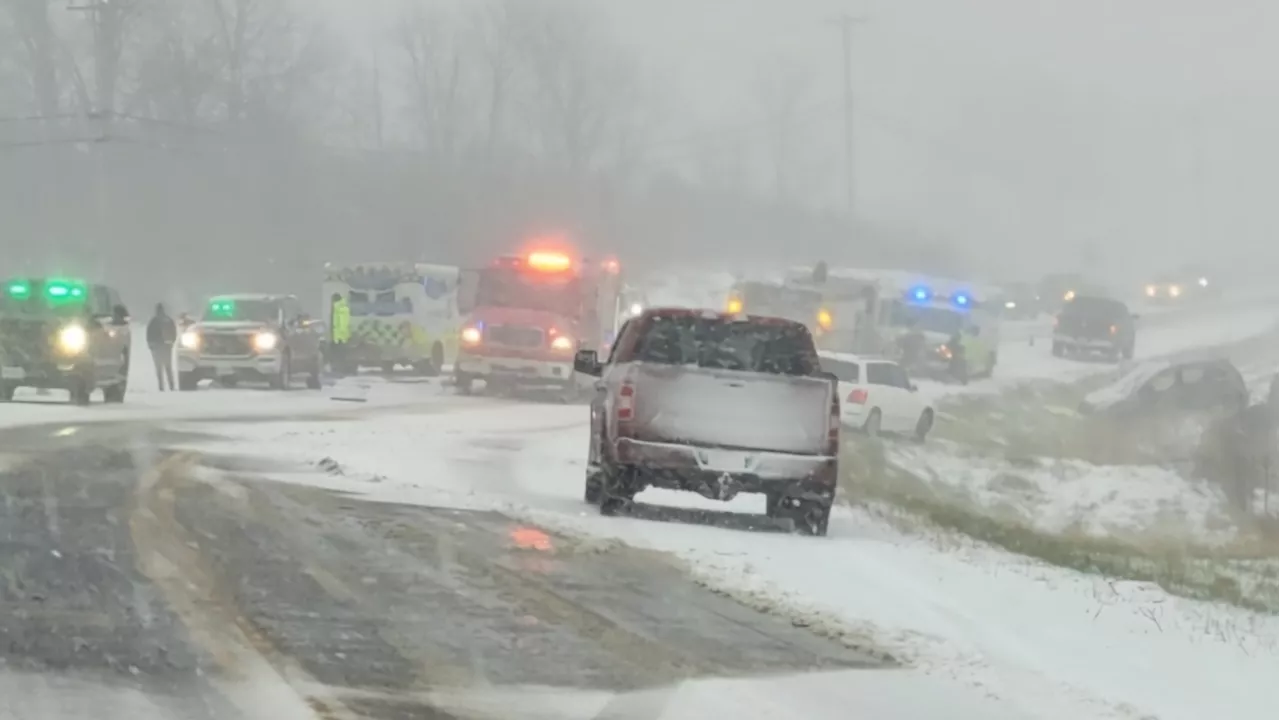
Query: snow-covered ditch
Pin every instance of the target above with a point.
(1133, 502)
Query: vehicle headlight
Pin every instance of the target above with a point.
(824, 319)
(1152, 290)
(636, 309)
(1010, 305)
(190, 340)
(1204, 282)
(265, 341)
(73, 339)
(471, 336)
(734, 307)
(1069, 296)
(1175, 290)
(562, 343)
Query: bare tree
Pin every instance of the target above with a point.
(34, 29)
(496, 30)
(581, 87)
(436, 70)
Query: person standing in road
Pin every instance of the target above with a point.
(339, 331)
(162, 333)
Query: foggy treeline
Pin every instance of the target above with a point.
(180, 148)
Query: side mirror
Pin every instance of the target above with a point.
(119, 315)
(587, 362)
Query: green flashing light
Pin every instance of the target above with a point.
(18, 289)
(61, 291)
(222, 308)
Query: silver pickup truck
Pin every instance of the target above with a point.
(715, 404)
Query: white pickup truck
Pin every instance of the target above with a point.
(716, 404)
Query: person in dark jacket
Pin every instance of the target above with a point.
(162, 333)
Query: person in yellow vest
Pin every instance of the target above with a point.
(339, 331)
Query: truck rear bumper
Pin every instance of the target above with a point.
(685, 467)
(1080, 343)
(519, 371)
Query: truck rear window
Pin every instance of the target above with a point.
(1095, 307)
(726, 344)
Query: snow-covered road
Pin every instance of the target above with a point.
(980, 628)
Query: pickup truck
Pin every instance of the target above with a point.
(717, 404)
(1094, 324)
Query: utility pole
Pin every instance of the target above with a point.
(846, 24)
(107, 17)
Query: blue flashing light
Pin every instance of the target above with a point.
(920, 294)
(962, 300)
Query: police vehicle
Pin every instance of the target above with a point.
(62, 333)
(958, 336)
(251, 337)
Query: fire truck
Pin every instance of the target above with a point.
(528, 315)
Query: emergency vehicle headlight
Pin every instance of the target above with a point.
(265, 341)
(73, 339)
(190, 340)
(471, 336)
(561, 343)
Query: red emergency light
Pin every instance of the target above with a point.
(547, 261)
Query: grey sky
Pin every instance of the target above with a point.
(1019, 127)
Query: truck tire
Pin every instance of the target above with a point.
(617, 491)
(280, 381)
(924, 425)
(313, 377)
(812, 518)
(464, 383)
(592, 488)
(114, 394)
(81, 392)
(433, 366)
(871, 426)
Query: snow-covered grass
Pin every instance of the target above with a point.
(1036, 640)
(1143, 503)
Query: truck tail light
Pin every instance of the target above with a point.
(833, 430)
(626, 401)
(858, 397)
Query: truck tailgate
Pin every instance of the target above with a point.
(722, 408)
